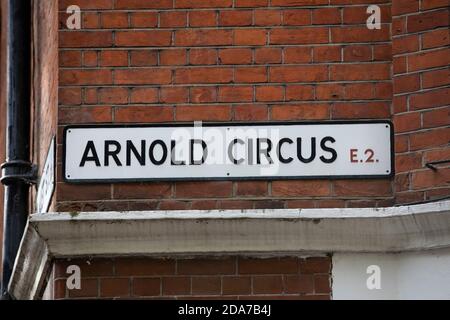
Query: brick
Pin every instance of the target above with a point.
(267, 266)
(206, 286)
(429, 99)
(142, 76)
(406, 83)
(297, 55)
(436, 38)
(144, 95)
(235, 56)
(236, 94)
(436, 78)
(85, 77)
(203, 3)
(90, 59)
(330, 92)
(429, 178)
(143, 58)
(110, 58)
(114, 20)
(114, 287)
(204, 75)
(301, 188)
(405, 6)
(146, 287)
(113, 95)
(139, 4)
(67, 192)
(236, 285)
(294, 3)
(269, 93)
(142, 190)
(173, 57)
(206, 266)
(376, 188)
(436, 118)
(154, 38)
(267, 17)
(382, 52)
(250, 37)
(267, 284)
(174, 95)
(144, 267)
(326, 16)
(236, 18)
(299, 92)
(268, 55)
(299, 36)
(357, 53)
(202, 18)
(301, 112)
(407, 122)
(87, 4)
(408, 162)
(429, 139)
(203, 113)
(194, 37)
(251, 188)
(299, 284)
(220, 189)
(136, 114)
(251, 75)
(143, 19)
(175, 286)
(251, 3)
(428, 20)
(299, 17)
(327, 54)
(85, 39)
(379, 71)
(250, 112)
(69, 58)
(203, 94)
(85, 115)
(426, 60)
(432, 4)
(69, 96)
(298, 73)
(202, 56)
(405, 44)
(173, 19)
(322, 284)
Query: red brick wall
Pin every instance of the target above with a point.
(225, 60)
(421, 59)
(45, 70)
(209, 278)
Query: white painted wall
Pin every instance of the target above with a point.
(414, 275)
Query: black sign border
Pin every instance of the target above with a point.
(227, 124)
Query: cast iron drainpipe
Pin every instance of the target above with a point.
(17, 172)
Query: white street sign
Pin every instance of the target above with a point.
(46, 182)
(228, 151)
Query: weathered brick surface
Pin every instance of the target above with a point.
(224, 60)
(211, 278)
(421, 99)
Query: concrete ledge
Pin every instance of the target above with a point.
(393, 229)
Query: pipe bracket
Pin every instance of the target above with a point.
(19, 171)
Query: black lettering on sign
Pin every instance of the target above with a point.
(90, 148)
